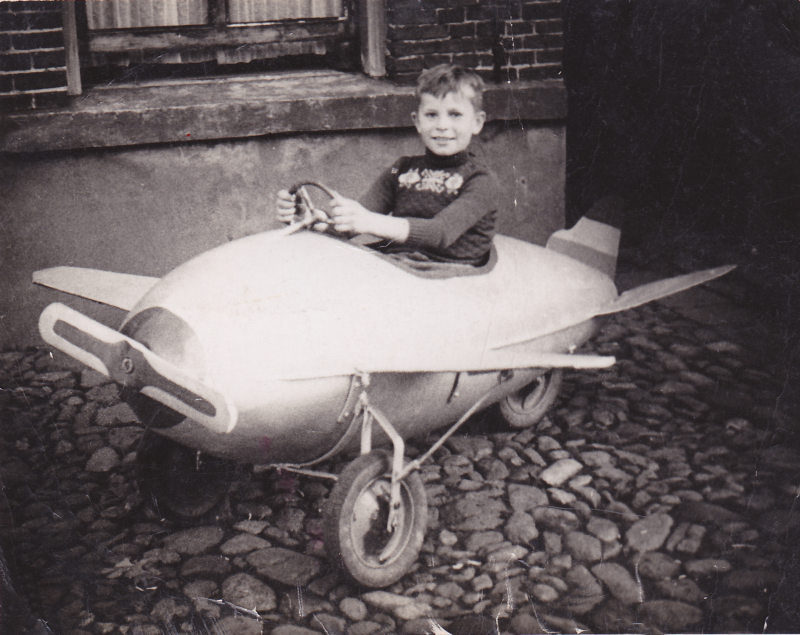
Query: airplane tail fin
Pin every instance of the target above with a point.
(594, 240)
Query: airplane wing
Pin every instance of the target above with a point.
(120, 290)
(634, 298)
(558, 360)
(131, 364)
(661, 289)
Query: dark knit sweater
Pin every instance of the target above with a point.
(450, 203)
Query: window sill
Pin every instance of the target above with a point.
(236, 107)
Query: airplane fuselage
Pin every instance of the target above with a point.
(286, 327)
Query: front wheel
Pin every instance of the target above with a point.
(356, 516)
(527, 406)
(178, 481)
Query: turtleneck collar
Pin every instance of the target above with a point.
(452, 161)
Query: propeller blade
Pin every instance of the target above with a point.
(133, 365)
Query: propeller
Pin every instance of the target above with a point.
(132, 365)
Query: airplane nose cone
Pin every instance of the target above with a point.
(172, 339)
(169, 337)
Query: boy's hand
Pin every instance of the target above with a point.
(350, 217)
(285, 208)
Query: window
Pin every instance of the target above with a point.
(213, 33)
(127, 14)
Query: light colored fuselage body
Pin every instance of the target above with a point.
(282, 325)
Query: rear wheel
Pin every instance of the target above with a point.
(180, 482)
(527, 406)
(356, 516)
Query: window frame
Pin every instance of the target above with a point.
(363, 23)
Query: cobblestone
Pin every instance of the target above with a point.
(655, 496)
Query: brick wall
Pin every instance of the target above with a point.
(33, 70)
(504, 40)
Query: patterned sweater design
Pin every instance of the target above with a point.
(450, 203)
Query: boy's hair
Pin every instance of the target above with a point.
(449, 78)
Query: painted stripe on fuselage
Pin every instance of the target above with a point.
(591, 242)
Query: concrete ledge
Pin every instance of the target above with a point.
(248, 106)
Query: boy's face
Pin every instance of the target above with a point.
(446, 124)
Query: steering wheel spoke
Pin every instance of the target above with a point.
(307, 212)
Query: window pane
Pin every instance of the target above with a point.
(243, 11)
(127, 14)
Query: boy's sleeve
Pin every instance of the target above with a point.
(478, 198)
(380, 197)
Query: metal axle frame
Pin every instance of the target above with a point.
(399, 472)
(370, 413)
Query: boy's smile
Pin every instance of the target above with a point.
(447, 124)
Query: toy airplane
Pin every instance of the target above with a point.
(285, 347)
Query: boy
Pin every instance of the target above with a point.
(443, 204)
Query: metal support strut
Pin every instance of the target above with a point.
(371, 413)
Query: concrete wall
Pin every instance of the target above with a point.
(144, 210)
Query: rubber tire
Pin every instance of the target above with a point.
(168, 475)
(342, 540)
(520, 414)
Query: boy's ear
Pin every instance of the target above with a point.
(415, 120)
(480, 119)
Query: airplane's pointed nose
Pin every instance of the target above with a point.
(169, 337)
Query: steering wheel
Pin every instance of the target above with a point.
(306, 212)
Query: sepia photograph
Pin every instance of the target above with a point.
(399, 317)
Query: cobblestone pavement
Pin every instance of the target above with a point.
(657, 496)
